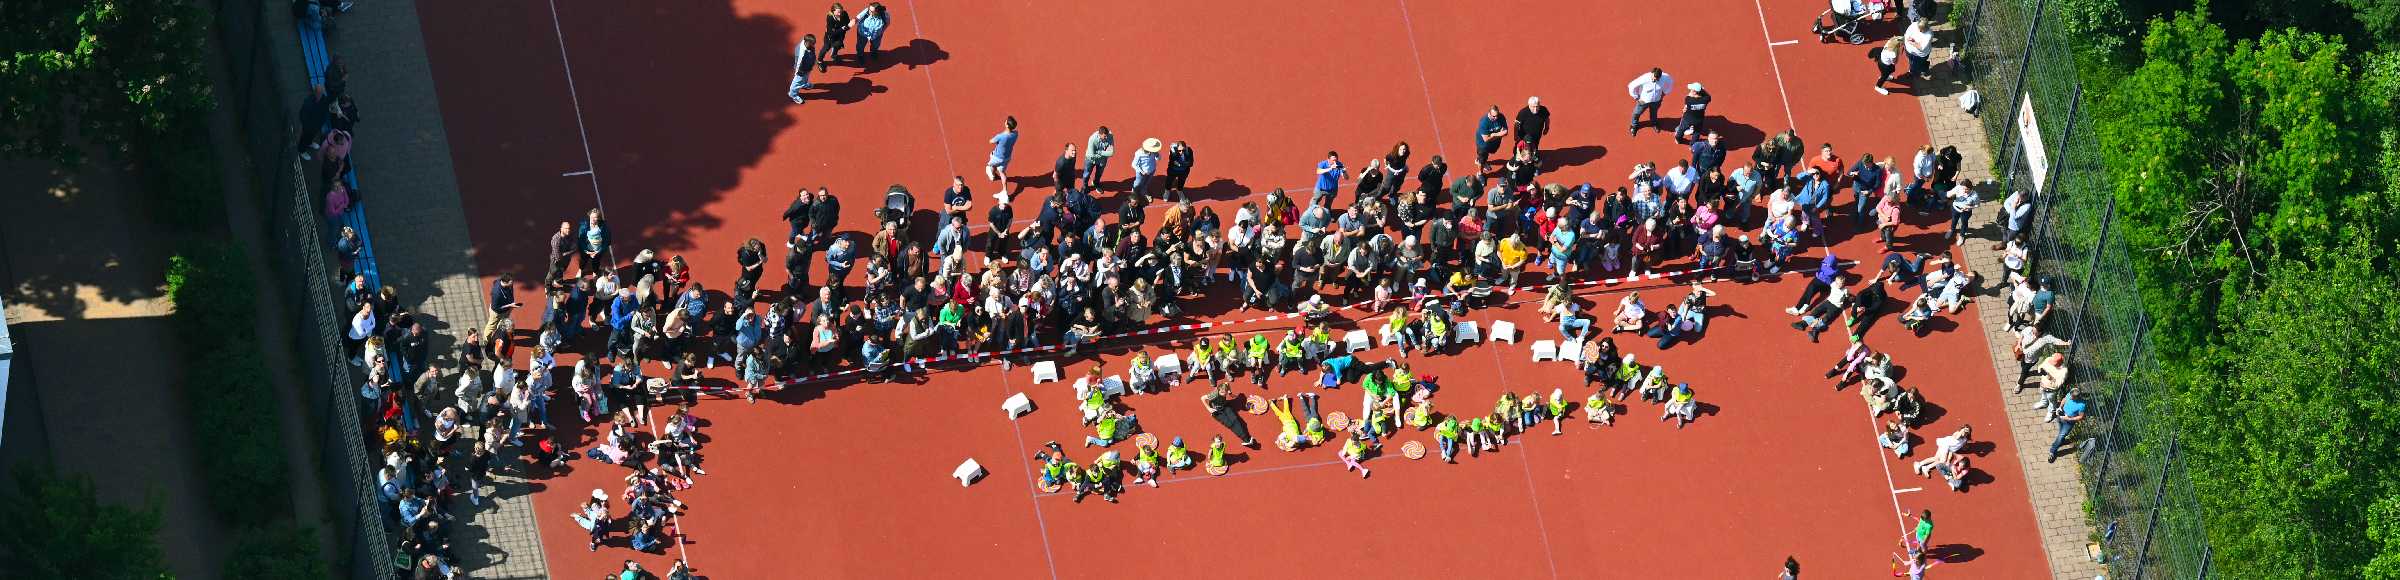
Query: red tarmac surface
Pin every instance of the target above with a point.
(693, 148)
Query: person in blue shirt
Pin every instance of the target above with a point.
(1866, 180)
(620, 321)
(1829, 272)
(1330, 174)
(1489, 131)
(1004, 147)
(871, 23)
(2070, 412)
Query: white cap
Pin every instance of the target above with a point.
(1694, 86)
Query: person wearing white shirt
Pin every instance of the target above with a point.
(362, 326)
(1962, 206)
(1918, 42)
(1646, 91)
(2018, 210)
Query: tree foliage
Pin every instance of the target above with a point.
(57, 527)
(112, 72)
(2294, 438)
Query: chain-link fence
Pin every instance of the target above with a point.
(2021, 58)
(261, 53)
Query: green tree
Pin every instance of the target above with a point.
(277, 552)
(110, 72)
(57, 527)
(2294, 441)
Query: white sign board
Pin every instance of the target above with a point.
(2030, 134)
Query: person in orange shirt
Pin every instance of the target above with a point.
(1831, 166)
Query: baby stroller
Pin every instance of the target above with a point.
(1843, 18)
(898, 206)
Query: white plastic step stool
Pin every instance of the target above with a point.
(1017, 405)
(1467, 332)
(1045, 371)
(1357, 340)
(1545, 350)
(967, 472)
(1168, 365)
(1504, 331)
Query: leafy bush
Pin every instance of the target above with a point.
(57, 527)
(233, 407)
(277, 552)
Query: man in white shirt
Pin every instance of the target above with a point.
(1962, 206)
(1918, 43)
(1646, 91)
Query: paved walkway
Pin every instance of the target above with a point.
(422, 246)
(2055, 490)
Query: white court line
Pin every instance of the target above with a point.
(1016, 427)
(1439, 144)
(576, 103)
(576, 173)
(1778, 66)
(1901, 491)
(1899, 514)
(944, 137)
(1783, 43)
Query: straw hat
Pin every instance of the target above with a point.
(1151, 145)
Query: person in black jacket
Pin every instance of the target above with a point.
(1533, 122)
(798, 214)
(1063, 173)
(1001, 216)
(562, 251)
(504, 294)
(1695, 114)
(1179, 168)
(823, 216)
(837, 26)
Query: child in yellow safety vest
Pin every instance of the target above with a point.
(1320, 343)
(1101, 477)
(1290, 353)
(1506, 411)
(1681, 406)
(1354, 451)
(1396, 329)
(1145, 464)
(1490, 432)
(1558, 410)
(1225, 356)
(1111, 428)
(1597, 409)
(1256, 359)
(1654, 384)
(1201, 352)
(1140, 373)
(1629, 376)
(1178, 458)
(1529, 412)
(1420, 416)
(1054, 468)
(1315, 428)
(1446, 436)
(1282, 406)
(1216, 452)
(1437, 327)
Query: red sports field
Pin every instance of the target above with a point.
(674, 117)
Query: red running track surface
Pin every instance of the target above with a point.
(693, 148)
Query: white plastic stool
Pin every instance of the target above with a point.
(1504, 331)
(1570, 352)
(1357, 340)
(1389, 337)
(1467, 332)
(1545, 350)
(1017, 405)
(1045, 371)
(1168, 365)
(967, 472)
(1114, 385)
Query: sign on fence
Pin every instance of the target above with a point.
(2030, 134)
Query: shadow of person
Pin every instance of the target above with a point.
(1558, 159)
(918, 52)
(846, 92)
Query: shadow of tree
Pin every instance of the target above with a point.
(53, 263)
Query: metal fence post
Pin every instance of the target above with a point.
(2150, 531)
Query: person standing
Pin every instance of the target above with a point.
(1004, 147)
(1962, 206)
(1063, 173)
(2070, 412)
(804, 57)
(562, 251)
(1886, 58)
(1145, 164)
(1646, 91)
(1097, 150)
(594, 238)
(1708, 154)
(1695, 114)
(503, 295)
(1488, 132)
(1533, 122)
(1918, 43)
(1179, 167)
(797, 215)
(837, 27)
(871, 23)
(1330, 174)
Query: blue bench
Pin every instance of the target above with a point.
(312, 49)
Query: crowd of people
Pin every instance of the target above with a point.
(1418, 243)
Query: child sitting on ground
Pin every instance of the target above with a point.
(1506, 410)
(1654, 385)
(1216, 452)
(1598, 411)
(1111, 428)
(1178, 458)
(1681, 405)
(1145, 465)
(1355, 451)
(1558, 410)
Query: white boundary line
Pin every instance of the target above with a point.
(944, 137)
(1777, 65)
(576, 173)
(1409, 25)
(1899, 514)
(1782, 43)
(1025, 459)
(576, 103)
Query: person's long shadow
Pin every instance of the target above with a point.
(846, 92)
(918, 52)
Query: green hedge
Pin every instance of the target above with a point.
(233, 406)
(277, 552)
